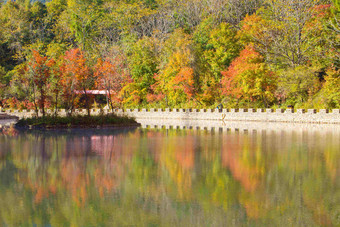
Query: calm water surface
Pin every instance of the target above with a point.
(160, 177)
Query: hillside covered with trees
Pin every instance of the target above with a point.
(170, 53)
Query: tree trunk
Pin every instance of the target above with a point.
(42, 101)
(35, 103)
(110, 100)
(56, 104)
(87, 103)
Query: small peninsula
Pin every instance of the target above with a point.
(77, 121)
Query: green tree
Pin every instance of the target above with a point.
(15, 32)
(84, 19)
(279, 33)
(144, 62)
(298, 85)
(331, 88)
(222, 47)
(175, 80)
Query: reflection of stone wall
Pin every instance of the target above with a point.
(241, 127)
(7, 122)
(4, 116)
(264, 115)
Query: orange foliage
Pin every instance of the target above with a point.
(321, 16)
(174, 88)
(254, 27)
(249, 77)
(184, 80)
(112, 78)
(76, 75)
(40, 67)
(75, 65)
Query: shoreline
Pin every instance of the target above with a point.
(58, 127)
(77, 121)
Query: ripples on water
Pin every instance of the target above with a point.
(169, 177)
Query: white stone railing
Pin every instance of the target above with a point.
(262, 115)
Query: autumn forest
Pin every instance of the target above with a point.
(169, 53)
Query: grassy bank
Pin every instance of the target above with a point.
(78, 121)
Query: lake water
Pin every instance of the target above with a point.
(254, 175)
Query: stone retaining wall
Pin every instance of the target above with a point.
(262, 115)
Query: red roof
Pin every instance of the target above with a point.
(92, 92)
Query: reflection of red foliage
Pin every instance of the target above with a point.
(104, 181)
(115, 156)
(40, 194)
(11, 131)
(185, 154)
(232, 158)
(184, 151)
(75, 179)
(155, 145)
(42, 191)
(319, 212)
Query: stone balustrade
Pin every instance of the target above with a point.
(261, 115)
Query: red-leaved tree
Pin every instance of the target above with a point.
(39, 70)
(77, 76)
(111, 77)
(249, 78)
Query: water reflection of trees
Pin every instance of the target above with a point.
(169, 178)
